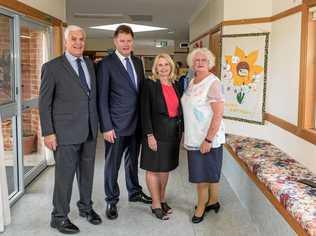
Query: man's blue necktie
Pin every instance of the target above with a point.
(130, 71)
(82, 76)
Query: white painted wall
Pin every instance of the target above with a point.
(283, 72)
(282, 5)
(207, 18)
(56, 8)
(243, 9)
(245, 29)
(284, 68)
(97, 44)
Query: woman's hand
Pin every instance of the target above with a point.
(205, 147)
(152, 142)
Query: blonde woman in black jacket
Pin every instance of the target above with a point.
(161, 117)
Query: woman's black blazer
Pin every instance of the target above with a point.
(154, 113)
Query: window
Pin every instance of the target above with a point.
(307, 100)
(6, 68)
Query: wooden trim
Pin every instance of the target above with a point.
(310, 3)
(30, 11)
(198, 38)
(247, 21)
(58, 40)
(303, 68)
(278, 206)
(310, 73)
(281, 123)
(216, 28)
(306, 134)
(286, 13)
(182, 52)
(252, 21)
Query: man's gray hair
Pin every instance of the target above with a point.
(71, 28)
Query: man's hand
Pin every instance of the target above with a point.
(50, 142)
(109, 136)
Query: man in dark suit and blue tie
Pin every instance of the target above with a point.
(120, 75)
(69, 122)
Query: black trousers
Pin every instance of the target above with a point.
(73, 159)
(127, 146)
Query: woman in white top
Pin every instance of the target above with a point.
(204, 131)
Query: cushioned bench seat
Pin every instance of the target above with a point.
(279, 173)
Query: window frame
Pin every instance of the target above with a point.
(307, 88)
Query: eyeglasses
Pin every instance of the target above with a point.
(203, 60)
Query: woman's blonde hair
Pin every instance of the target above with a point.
(172, 76)
(209, 55)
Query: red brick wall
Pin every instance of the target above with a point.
(31, 61)
(5, 82)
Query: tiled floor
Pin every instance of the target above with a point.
(31, 214)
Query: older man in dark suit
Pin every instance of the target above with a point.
(119, 81)
(69, 122)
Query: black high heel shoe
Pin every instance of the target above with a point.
(196, 219)
(166, 208)
(159, 213)
(214, 207)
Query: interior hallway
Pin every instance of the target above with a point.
(31, 214)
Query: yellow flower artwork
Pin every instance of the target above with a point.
(243, 71)
(243, 66)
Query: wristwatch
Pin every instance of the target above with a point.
(207, 140)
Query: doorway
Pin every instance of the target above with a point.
(24, 47)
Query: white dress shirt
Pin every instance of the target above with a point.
(72, 60)
(122, 59)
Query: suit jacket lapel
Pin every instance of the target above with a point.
(122, 70)
(138, 71)
(176, 89)
(160, 95)
(72, 72)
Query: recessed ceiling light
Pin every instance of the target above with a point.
(135, 28)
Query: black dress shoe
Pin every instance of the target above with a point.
(64, 226)
(91, 216)
(214, 207)
(141, 197)
(196, 219)
(159, 213)
(111, 211)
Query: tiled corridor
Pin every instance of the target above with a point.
(31, 214)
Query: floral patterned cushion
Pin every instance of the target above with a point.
(279, 172)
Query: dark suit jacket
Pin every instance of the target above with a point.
(154, 112)
(118, 99)
(65, 108)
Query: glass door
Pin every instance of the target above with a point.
(35, 50)
(9, 101)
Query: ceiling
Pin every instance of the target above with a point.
(171, 14)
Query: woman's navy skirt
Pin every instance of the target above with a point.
(205, 168)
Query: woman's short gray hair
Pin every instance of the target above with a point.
(71, 28)
(209, 55)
